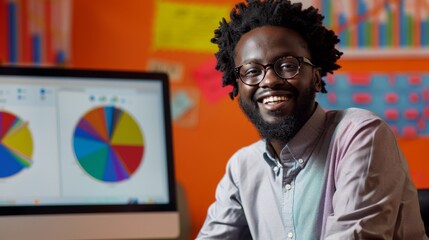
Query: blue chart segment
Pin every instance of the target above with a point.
(16, 145)
(108, 144)
(402, 100)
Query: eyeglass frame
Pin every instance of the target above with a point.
(300, 60)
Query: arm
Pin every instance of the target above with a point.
(374, 197)
(225, 218)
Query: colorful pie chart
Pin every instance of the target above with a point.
(108, 144)
(16, 145)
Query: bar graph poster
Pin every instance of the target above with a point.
(378, 27)
(35, 32)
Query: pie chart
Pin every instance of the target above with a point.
(108, 144)
(16, 145)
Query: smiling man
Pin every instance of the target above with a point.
(314, 174)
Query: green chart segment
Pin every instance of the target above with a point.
(16, 145)
(108, 144)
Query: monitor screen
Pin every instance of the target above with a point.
(85, 154)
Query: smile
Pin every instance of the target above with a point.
(275, 99)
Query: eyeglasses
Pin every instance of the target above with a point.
(285, 67)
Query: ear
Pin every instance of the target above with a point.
(317, 79)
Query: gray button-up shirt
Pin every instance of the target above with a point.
(341, 177)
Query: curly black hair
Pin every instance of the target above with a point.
(256, 13)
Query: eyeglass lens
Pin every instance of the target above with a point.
(254, 73)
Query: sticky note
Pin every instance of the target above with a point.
(174, 70)
(183, 26)
(181, 103)
(184, 104)
(209, 81)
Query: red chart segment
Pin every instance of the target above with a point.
(108, 144)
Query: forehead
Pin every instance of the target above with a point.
(264, 44)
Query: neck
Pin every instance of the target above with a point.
(277, 146)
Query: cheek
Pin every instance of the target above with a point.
(245, 90)
(310, 80)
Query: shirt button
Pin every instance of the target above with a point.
(300, 161)
(288, 187)
(290, 234)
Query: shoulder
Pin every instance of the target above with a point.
(355, 115)
(250, 152)
(356, 128)
(248, 159)
(354, 119)
(359, 125)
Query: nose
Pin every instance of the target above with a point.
(271, 79)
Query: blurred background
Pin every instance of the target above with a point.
(385, 69)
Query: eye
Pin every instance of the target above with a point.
(251, 70)
(287, 65)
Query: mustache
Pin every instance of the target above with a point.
(290, 89)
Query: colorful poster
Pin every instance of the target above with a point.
(401, 99)
(35, 32)
(378, 27)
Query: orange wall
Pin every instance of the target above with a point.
(110, 34)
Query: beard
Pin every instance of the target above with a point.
(286, 127)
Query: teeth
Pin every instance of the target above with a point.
(274, 99)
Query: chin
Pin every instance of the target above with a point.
(274, 120)
(276, 125)
(276, 116)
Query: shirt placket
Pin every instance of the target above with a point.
(290, 168)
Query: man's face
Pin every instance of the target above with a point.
(277, 107)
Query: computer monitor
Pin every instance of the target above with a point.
(85, 154)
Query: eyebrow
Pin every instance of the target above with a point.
(258, 60)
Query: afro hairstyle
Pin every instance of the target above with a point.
(251, 14)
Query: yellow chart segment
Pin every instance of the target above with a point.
(126, 131)
(19, 140)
